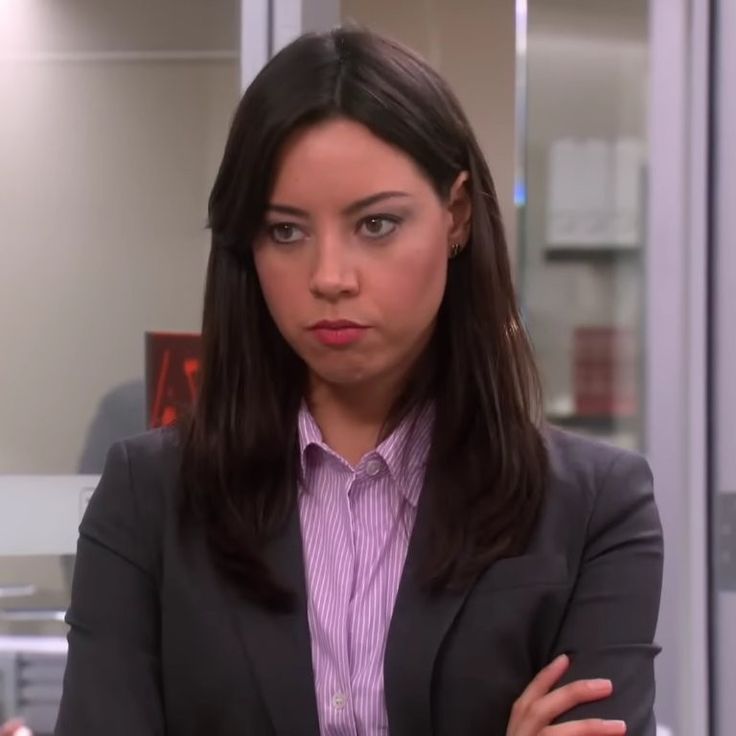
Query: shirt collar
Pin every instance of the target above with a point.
(405, 450)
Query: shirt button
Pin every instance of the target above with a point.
(339, 701)
(373, 467)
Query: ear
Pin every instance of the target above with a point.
(460, 210)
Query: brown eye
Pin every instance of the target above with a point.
(285, 232)
(378, 226)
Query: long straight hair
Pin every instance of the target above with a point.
(487, 464)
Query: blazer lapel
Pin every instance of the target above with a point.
(419, 624)
(278, 645)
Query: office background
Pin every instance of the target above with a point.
(610, 128)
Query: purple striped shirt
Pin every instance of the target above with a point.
(356, 523)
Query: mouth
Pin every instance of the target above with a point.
(337, 333)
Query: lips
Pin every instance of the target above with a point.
(338, 333)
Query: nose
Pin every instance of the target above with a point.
(333, 275)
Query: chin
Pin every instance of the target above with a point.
(344, 378)
(343, 375)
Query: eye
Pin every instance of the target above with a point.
(285, 233)
(378, 226)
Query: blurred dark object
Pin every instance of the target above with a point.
(120, 413)
(605, 372)
(172, 374)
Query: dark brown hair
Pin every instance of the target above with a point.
(487, 464)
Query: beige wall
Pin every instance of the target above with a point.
(472, 44)
(106, 170)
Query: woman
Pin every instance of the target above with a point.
(364, 527)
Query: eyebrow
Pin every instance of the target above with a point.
(351, 209)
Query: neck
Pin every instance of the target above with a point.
(350, 417)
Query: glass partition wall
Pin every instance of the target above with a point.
(117, 120)
(113, 121)
(581, 204)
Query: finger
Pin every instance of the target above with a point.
(546, 679)
(543, 711)
(11, 728)
(589, 727)
(539, 687)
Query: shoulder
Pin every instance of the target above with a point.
(152, 461)
(583, 463)
(153, 456)
(134, 495)
(595, 486)
(147, 464)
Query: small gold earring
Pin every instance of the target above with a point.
(455, 250)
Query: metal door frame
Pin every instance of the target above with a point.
(676, 363)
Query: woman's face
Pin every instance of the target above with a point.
(353, 255)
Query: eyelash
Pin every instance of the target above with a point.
(393, 219)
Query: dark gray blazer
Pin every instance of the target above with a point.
(160, 645)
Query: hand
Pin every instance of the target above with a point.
(539, 705)
(15, 727)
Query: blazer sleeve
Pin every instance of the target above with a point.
(112, 683)
(609, 627)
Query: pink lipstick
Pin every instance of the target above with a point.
(337, 333)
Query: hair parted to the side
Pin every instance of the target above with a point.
(487, 465)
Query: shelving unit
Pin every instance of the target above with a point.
(583, 131)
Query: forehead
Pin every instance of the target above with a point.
(339, 161)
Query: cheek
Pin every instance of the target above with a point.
(415, 293)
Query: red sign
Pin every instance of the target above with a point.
(172, 374)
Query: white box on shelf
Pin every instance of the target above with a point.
(594, 206)
(594, 193)
(562, 192)
(627, 195)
